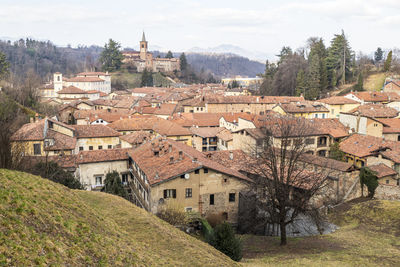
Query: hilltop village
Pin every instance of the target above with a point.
(194, 143)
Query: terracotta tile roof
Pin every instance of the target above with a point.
(235, 159)
(215, 99)
(84, 79)
(107, 115)
(168, 168)
(371, 96)
(326, 162)
(93, 131)
(332, 127)
(64, 161)
(92, 74)
(206, 131)
(225, 135)
(93, 92)
(303, 107)
(127, 102)
(382, 170)
(374, 111)
(365, 145)
(337, 100)
(391, 125)
(147, 123)
(71, 90)
(105, 102)
(104, 155)
(164, 109)
(30, 132)
(136, 138)
(61, 141)
(197, 119)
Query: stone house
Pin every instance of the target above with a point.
(183, 175)
(95, 137)
(205, 139)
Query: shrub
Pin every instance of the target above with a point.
(52, 171)
(173, 213)
(113, 185)
(225, 241)
(208, 231)
(368, 178)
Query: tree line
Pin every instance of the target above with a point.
(316, 69)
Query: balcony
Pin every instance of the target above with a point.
(322, 142)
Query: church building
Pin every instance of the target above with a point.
(145, 60)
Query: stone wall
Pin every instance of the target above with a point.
(388, 192)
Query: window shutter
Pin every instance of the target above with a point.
(174, 193)
(165, 193)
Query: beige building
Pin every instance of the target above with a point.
(185, 176)
(145, 60)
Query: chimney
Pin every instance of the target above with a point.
(36, 117)
(171, 160)
(194, 160)
(180, 155)
(231, 155)
(169, 148)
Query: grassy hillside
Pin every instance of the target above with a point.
(374, 82)
(369, 235)
(43, 223)
(133, 80)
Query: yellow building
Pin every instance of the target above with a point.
(185, 176)
(337, 104)
(305, 109)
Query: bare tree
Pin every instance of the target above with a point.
(283, 186)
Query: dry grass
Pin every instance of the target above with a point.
(43, 223)
(369, 236)
(374, 82)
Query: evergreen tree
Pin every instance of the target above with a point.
(113, 185)
(378, 55)
(335, 152)
(146, 79)
(338, 60)
(360, 83)
(368, 178)
(4, 66)
(235, 84)
(313, 78)
(169, 55)
(111, 57)
(388, 62)
(183, 62)
(224, 240)
(285, 52)
(300, 83)
(317, 47)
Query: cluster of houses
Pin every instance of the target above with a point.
(190, 143)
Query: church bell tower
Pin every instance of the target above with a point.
(143, 48)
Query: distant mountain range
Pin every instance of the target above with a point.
(232, 49)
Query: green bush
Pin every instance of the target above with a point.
(223, 238)
(208, 231)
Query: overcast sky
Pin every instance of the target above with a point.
(179, 25)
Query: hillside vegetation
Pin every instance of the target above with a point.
(369, 235)
(43, 223)
(125, 80)
(374, 82)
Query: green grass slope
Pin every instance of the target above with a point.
(369, 235)
(44, 223)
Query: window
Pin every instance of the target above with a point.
(316, 115)
(387, 181)
(212, 199)
(323, 115)
(205, 170)
(332, 111)
(90, 147)
(310, 141)
(81, 148)
(188, 209)
(182, 176)
(232, 197)
(100, 147)
(98, 180)
(170, 193)
(109, 146)
(124, 178)
(37, 149)
(188, 192)
(197, 171)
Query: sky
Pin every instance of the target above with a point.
(179, 25)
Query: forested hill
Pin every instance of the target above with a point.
(225, 65)
(45, 58)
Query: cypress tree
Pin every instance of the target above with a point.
(388, 62)
(300, 83)
(313, 78)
